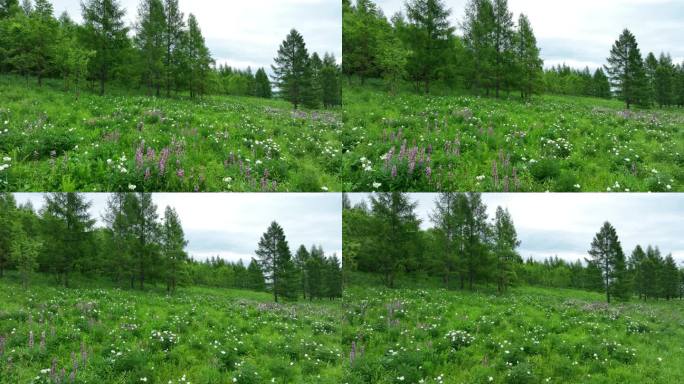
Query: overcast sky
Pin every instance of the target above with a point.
(248, 33)
(230, 224)
(581, 32)
(551, 224)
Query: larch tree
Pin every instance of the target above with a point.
(331, 89)
(105, 33)
(263, 85)
(670, 278)
(25, 251)
(197, 58)
(504, 52)
(276, 263)
(333, 279)
(301, 258)
(626, 71)
(605, 253)
(68, 227)
(449, 219)
(430, 39)
(292, 72)
(478, 30)
(527, 57)
(505, 241)
(149, 39)
(650, 68)
(173, 36)
(635, 269)
(664, 81)
(44, 31)
(173, 249)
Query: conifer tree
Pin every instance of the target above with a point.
(449, 218)
(68, 225)
(331, 91)
(626, 71)
(670, 278)
(196, 57)
(607, 255)
(146, 231)
(650, 68)
(8, 209)
(43, 30)
(315, 273)
(664, 74)
(292, 72)
(276, 262)
(601, 86)
(8, 8)
(151, 44)
(635, 268)
(527, 55)
(478, 28)
(173, 248)
(430, 38)
(255, 277)
(505, 243)
(503, 45)
(24, 253)
(333, 280)
(300, 260)
(263, 85)
(172, 43)
(104, 33)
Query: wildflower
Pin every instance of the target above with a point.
(143, 379)
(394, 171)
(109, 161)
(668, 186)
(400, 378)
(131, 187)
(180, 173)
(325, 189)
(7, 159)
(480, 178)
(490, 378)
(227, 179)
(376, 185)
(428, 172)
(577, 186)
(660, 359)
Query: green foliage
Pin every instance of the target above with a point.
(626, 71)
(606, 253)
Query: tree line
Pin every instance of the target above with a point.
(464, 248)
(163, 53)
(493, 55)
(136, 247)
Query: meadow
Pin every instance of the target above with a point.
(412, 142)
(51, 140)
(531, 335)
(102, 334)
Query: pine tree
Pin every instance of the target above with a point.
(430, 38)
(263, 85)
(173, 248)
(151, 44)
(606, 253)
(172, 43)
(528, 61)
(106, 34)
(333, 279)
(626, 71)
(505, 242)
(292, 72)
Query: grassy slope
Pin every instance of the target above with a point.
(531, 335)
(604, 146)
(221, 335)
(300, 152)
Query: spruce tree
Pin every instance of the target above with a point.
(429, 41)
(626, 71)
(105, 33)
(292, 72)
(607, 255)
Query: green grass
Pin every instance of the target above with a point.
(530, 335)
(200, 335)
(555, 143)
(56, 142)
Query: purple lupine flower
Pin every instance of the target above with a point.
(516, 182)
(394, 171)
(352, 354)
(490, 131)
(180, 173)
(84, 353)
(2, 345)
(634, 169)
(248, 171)
(151, 155)
(53, 368)
(163, 158)
(411, 167)
(72, 376)
(139, 154)
(495, 174)
(429, 148)
(62, 375)
(428, 172)
(148, 173)
(42, 341)
(30, 340)
(275, 185)
(505, 183)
